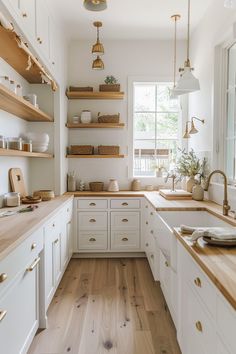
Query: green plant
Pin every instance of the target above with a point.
(188, 164)
(110, 80)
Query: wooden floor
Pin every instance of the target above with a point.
(108, 306)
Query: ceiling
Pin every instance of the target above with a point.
(128, 19)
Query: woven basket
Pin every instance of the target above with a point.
(108, 150)
(80, 89)
(81, 150)
(114, 118)
(109, 88)
(96, 186)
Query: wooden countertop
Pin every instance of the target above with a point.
(218, 263)
(102, 194)
(16, 228)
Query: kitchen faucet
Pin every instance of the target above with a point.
(226, 206)
(173, 177)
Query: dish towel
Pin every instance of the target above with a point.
(216, 233)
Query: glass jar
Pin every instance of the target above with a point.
(14, 143)
(27, 146)
(2, 142)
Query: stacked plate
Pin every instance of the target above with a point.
(40, 141)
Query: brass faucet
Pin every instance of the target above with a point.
(226, 206)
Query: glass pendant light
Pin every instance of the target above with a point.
(98, 48)
(230, 4)
(173, 95)
(95, 5)
(98, 64)
(187, 82)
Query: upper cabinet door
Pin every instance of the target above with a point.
(27, 10)
(53, 45)
(42, 27)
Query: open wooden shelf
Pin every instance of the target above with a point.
(95, 125)
(17, 153)
(76, 95)
(14, 104)
(17, 58)
(95, 156)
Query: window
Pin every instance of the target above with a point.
(230, 138)
(156, 130)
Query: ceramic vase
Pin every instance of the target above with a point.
(198, 192)
(190, 184)
(113, 186)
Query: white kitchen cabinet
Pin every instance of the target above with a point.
(28, 13)
(42, 27)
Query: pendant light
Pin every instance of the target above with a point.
(230, 4)
(98, 48)
(175, 18)
(187, 82)
(95, 5)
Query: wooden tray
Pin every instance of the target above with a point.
(220, 243)
(177, 195)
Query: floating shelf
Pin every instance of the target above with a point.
(95, 156)
(90, 95)
(95, 125)
(14, 104)
(17, 153)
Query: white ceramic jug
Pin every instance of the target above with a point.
(113, 186)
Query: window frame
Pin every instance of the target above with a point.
(142, 80)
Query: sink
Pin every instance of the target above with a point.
(192, 218)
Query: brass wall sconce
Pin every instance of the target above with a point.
(193, 130)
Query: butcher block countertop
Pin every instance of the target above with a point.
(16, 228)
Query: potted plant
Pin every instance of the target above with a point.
(189, 165)
(111, 85)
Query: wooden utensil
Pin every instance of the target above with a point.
(17, 181)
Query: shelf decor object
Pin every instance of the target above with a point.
(188, 82)
(98, 49)
(14, 104)
(175, 18)
(111, 85)
(20, 153)
(95, 95)
(95, 5)
(193, 130)
(18, 55)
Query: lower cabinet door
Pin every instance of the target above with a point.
(56, 260)
(165, 277)
(19, 312)
(93, 240)
(125, 240)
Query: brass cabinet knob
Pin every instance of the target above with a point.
(151, 213)
(53, 225)
(39, 40)
(147, 244)
(53, 62)
(33, 246)
(2, 315)
(24, 14)
(199, 326)
(56, 241)
(152, 232)
(125, 239)
(92, 239)
(3, 277)
(198, 282)
(146, 222)
(166, 264)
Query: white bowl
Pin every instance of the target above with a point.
(38, 138)
(40, 149)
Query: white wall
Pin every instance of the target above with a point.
(211, 32)
(122, 59)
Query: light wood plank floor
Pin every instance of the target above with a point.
(107, 306)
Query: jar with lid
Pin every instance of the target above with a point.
(13, 86)
(27, 146)
(2, 142)
(14, 143)
(4, 80)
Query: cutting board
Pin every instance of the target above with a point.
(17, 181)
(179, 194)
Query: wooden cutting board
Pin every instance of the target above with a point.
(177, 195)
(17, 181)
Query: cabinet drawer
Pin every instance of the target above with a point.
(199, 283)
(125, 240)
(53, 226)
(93, 240)
(92, 204)
(125, 204)
(226, 322)
(125, 221)
(17, 260)
(92, 221)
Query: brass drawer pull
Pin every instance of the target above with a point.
(146, 222)
(33, 246)
(125, 220)
(152, 232)
(151, 213)
(92, 204)
(56, 241)
(24, 14)
(125, 239)
(92, 239)
(199, 326)
(33, 265)
(2, 315)
(3, 277)
(198, 282)
(147, 244)
(92, 220)
(125, 204)
(39, 40)
(166, 264)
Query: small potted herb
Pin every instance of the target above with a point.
(110, 85)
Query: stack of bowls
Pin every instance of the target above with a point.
(40, 141)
